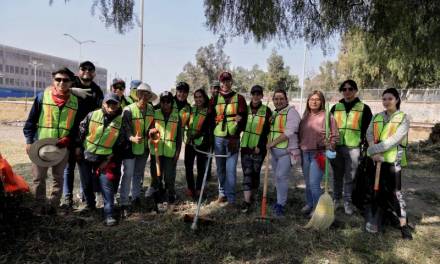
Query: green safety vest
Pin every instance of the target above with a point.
(168, 133)
(349, 126)
(140, 125)
(100, 139)
(383, 131)
(278, 126)
(54, 121)
(125, 101)
(225, 116)
(254, 127)
(184, 115)
(195, 123)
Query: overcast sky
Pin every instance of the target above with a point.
(173, 31)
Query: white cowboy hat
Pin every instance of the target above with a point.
(45, 153)
(146, 87)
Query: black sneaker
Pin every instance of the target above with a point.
(245, 207)
(406, 232)
(125, 211)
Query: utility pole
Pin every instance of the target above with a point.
(303, 79)
(141, 43)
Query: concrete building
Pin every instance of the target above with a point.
(17, 71)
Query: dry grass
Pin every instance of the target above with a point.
(234, 238)
(14, 111)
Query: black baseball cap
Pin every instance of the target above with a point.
(87, 64)
(111, 98)
(257, 89)
(66, 71)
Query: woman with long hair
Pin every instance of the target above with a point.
(314, 145)
(388, 138)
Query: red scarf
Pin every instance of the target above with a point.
(59, 98)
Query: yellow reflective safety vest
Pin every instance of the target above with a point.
(125, 101)
(278, 126)
(184, 115)
(100, 139)
(196, 120)
(349, 126)
(225, 116)
(54, 121)
(254, 127)
(140, 125)
(168, 133)
(383, 130)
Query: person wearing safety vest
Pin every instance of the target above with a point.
(283, 146)
(89, 99)
(253, 145)
(138, 120)
(182, 105)
(227, 115)
(133, 93)
(167, 131)
(118, 88)
(352, 118)
(102, 136)
(387, 135)
(196, 138)
(52, 115)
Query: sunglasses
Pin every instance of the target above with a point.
(119, 87)
(351, 89)
(87, 69)
(65, 80)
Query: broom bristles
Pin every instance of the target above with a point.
(324, 213)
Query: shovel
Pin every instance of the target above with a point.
(155, 140)
(263, 217)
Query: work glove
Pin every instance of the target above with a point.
(80, 92)
(330, 154)
(63, 142)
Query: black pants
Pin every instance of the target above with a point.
(190, 155)
(251, 164)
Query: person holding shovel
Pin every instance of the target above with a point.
(387, 135)
(352, 118)
(283, 143)
(138, 120)
(253, 145)
(167, 135)
(314, 146)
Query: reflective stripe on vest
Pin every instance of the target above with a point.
(54, 121)
(278, 126)
(383, 131)
(254, 127)
(195, 124)
(349, 127)
(168, 133)
(140, 125)
(100, 139)
(226, 126)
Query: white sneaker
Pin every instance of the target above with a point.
(151, 190)
(110, 221)
(371, 228)
(348, 208)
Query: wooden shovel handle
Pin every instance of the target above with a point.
(377, 176)
(156, 150)
(266, 178)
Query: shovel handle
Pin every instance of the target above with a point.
(266, 178)
(377, 176)
(156, 150)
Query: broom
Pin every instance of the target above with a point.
(324, 213)
(263, 217)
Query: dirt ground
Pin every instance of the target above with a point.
(146, 237)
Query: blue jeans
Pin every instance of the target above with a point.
(89, 181)
(312, 177)
(69, 176)
(132, 176)
(226, 169)
(108, 193)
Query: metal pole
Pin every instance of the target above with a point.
(35, 79)
(141, 42)
(303, 79)
(79, 61)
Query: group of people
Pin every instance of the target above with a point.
(111, 137)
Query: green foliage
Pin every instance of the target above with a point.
(211, 61)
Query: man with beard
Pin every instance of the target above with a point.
(89, 98)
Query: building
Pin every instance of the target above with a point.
(17, 71)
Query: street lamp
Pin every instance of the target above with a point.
(35, 64)
(79, 43)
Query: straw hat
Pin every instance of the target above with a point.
(45, 153)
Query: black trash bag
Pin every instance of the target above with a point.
(363, 183)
